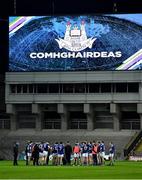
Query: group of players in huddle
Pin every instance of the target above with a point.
(84, 153)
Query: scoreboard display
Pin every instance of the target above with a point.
(75, 43)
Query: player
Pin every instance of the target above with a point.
(80, 154)
(102, 153)
(28, 152)
(94, 153)
(111, 153)
(15, 153)
(68, 152)
(85, 150)
(61, 149)
(35, 154)
(76, 153)
(47, 149)
(98, 153)
(55, 154)
(90, 158)
(45, 152)
(41, 154)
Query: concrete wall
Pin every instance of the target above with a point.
(116, 101)
(22, 136)
(102, 76)
(74, 77)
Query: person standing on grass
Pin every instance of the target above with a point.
(94, 153)
(111, 153)
(98, 153)
(15, 153)
(28, 152)
(85, 150)
(68, 152)
(55, 154)
(102, 152)
(47, 149)
(49, 153)
(90, 158)
(36, 151)
(76, 153)
(61, 150)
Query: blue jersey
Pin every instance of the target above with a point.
(81, 147)
(55, 149)
(29, 147)
(112, 149)
(45, 147)
(102, 147)
(85, 148)
(41, 147)
(90, 146)
(61, 149)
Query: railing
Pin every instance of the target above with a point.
(78, 124)
(132, 145)
(4, 123)
(52, 124)
(106, 125)
(130, 125)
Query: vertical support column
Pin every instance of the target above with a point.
(140, 91)
(116, 124)
(89, 112)
(7, 92)
(90, 124)
(64, 118)
(10, 109)
(62, 110)
(140, 121)
(13, 122)
(36, 110)
(139, 110)
(38, 122)
(115, 110)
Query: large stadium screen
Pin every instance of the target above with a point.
(75, 43)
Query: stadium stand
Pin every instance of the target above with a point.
(62, 106)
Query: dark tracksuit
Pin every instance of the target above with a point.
(47, 159)
(94, 152)
(68, 151)
(15, 154)
(26, 153)
(36, 155)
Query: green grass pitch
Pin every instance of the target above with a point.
(121, 170)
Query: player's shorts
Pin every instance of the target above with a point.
(90, 154)
(85, 155)
(111, 155)
(76, 155)
(45, 153)
(41, 154)
(54, 154)
(102, 154)
(29, 154)
(60, 155)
